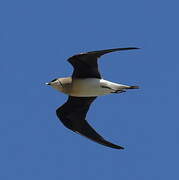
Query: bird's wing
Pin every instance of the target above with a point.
(73, 114)
(85, 64)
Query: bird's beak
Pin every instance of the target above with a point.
(47, 83)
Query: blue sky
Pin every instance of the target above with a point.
(36, 38)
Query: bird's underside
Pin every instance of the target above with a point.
(73, 112)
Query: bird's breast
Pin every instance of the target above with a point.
(88, 87)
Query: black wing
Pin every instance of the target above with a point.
(73, 114)
(85, 64)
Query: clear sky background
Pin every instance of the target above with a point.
(36, 38)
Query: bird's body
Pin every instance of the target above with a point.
(88, 87)
(83, 87)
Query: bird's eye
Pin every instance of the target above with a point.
(54, 80)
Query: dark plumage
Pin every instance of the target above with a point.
(73, 116)
(86, 65)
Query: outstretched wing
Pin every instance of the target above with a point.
(85, 64)
(73, 114)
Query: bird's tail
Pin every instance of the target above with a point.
(122, 88)
(132, 87)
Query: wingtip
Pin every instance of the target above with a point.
(121, 148)
(134, 48)
(138, 48)
(128, 48)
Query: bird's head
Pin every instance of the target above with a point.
(55, 83)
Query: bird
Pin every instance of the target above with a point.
(83, 87)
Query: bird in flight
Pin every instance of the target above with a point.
(82, 88)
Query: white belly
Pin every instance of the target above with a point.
(90, 87)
